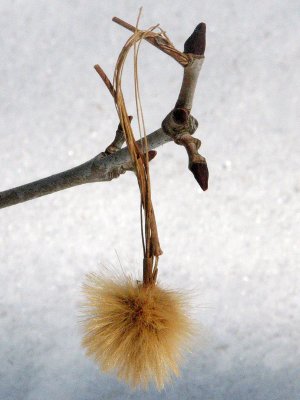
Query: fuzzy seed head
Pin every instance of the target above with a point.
(141, 333)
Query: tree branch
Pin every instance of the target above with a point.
(101, 168)
(178, 126)
(178, 123)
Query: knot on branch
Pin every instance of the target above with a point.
(178, 122)
(180, 125)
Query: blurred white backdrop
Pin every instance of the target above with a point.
(234, 245)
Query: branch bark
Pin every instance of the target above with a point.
(101, 168)
(178, 126)
(178, 123)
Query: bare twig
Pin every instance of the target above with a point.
(178, 126)
(101, 168)
(178, 123)
(118, 141)
(105, 79)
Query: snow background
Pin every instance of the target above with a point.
(234, 245)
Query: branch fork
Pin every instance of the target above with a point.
(180, 127)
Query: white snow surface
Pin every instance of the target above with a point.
(236, 245)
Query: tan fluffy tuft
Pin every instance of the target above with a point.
(140, 333)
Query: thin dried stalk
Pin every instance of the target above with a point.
(152, 247)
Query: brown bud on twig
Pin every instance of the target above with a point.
(118, 141)
(195, 44)
(200, 172)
